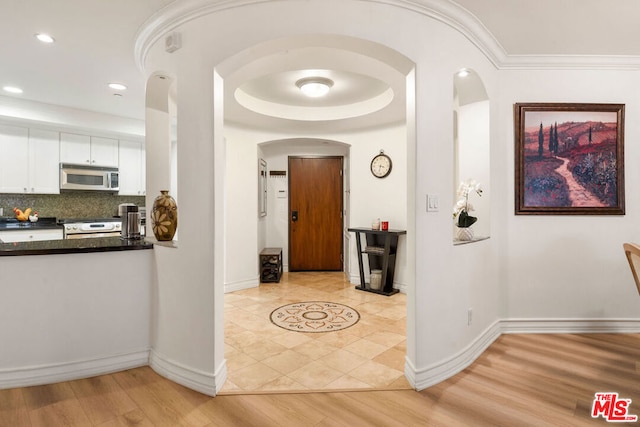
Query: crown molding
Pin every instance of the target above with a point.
(446, 11)
(178, 13)
(570, 62)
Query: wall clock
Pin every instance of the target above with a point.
(381, 165)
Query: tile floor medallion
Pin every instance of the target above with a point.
(314, 316)
(262, 357)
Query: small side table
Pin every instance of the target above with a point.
(270, 265)
(381, 250)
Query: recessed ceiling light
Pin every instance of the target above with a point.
(45, 38)
(117, 86)
(315, 87)
(12, 89)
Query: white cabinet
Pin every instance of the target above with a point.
(104, 151)
(132, 168)
(44, 162)
(30, 235)
(14, 161)
(29, 161)
(75, 149)
(88, 150)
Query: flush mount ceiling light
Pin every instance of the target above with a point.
(463, 73)
(117, 86)
(45, 38)
(314, 87)
(12, 89)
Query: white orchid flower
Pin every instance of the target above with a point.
(462, 204)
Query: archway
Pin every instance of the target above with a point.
(366, 138)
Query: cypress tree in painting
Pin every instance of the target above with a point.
(555, 138)
(540, 141)
(589, 134)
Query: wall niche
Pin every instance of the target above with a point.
(471, 136)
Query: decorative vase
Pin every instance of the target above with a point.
(164, 216)
(464, 234)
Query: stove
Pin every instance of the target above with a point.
(84, 228)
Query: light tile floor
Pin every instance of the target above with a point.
(264, 357)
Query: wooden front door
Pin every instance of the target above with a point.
(315, 213)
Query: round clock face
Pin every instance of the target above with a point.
(381, 165)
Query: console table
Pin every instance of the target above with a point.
(381, 248)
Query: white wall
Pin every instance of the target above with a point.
(440, 313)
(73, 315)
(542, 268)
(548, 270)
(370, 197)
(570, 267)
(186, 312)
(241, 208)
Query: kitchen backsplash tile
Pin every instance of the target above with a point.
(68, 205)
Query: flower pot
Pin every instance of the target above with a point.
(164, 217)
(464, 234)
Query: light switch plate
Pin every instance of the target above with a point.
(433, 203)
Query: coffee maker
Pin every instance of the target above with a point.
(130, 217)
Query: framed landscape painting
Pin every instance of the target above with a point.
(569, 159)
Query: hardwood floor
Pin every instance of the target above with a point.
(521, 380)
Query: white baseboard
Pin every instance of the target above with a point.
(354, 279)
(53, 373)
(221, 376)
(203, 382)
(570, 326)
(211, 384)
(243, 284)
(444, 369)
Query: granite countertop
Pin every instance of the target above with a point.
(73, 246)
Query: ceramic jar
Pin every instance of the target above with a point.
(464, 234)
(164, 217)
(376, 279)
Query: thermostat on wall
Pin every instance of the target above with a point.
(173, 42)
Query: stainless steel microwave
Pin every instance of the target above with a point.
(90, 178)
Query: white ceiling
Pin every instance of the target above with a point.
(561, 27)
(95, 42)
